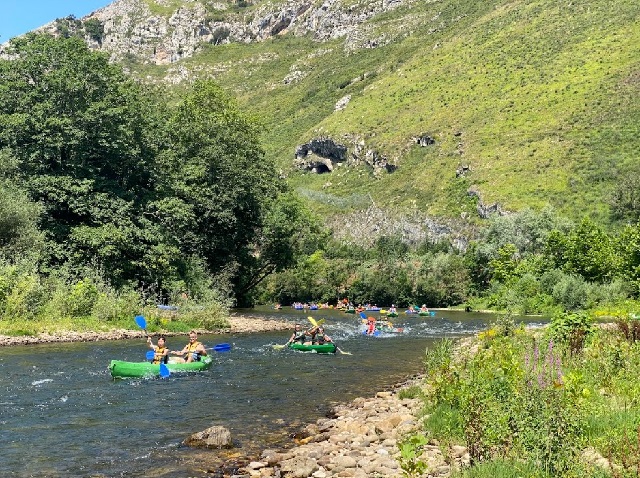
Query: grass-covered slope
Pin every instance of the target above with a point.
(538, 97)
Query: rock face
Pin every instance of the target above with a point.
(322, 155)
(164, 31)
(212, 437)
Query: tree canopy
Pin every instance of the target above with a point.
(128, 184)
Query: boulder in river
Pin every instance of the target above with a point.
(212, 437)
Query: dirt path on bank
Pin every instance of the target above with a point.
(239, 325)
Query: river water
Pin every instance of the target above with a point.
(62, 415)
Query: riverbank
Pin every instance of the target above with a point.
(361, 439)
(238, 325)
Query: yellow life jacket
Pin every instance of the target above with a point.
(159, 355)
(191, 349)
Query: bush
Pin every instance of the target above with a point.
(112, 305)
(572, 329)
(571, 293)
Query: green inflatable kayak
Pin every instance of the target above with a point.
(321, 349)
(122, 369)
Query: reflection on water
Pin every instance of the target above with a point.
(62, 415)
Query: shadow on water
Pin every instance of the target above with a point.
(62, 415)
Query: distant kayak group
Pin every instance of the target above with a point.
(348, 307)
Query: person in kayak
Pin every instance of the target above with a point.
(161, 352)
(299, 335)
(371, 325)
(192, 352)
(320, 338)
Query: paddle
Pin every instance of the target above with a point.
(314, 322)
(142, 323)
(164, 370)
(221, 347)
(279, 347)
(342, 351)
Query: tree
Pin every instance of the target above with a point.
(218, 195)
(19, 233)
(138, 189)
(625, 199)
(80, 132)
(628, 243)
(590, 252)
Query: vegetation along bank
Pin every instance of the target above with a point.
(558, 401)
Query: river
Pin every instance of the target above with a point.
(62, 415)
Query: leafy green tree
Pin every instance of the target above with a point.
(94, 28)
(219, 197)
(20, 237)
(443, 280)
(628, 243)
(527, 230)
(505, 264)
(390, 249)
(591, 253)
(586, 250)
(289, 232)
(625, 199)
(79, 129)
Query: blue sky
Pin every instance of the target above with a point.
(21, 16)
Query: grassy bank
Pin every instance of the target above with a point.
(560, 401)
(32, 303)
(157, 321)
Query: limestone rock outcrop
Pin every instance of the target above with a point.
(165, 32)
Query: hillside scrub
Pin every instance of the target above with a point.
(560, 401)
(32, 303)
(536, 98)
(529, 263)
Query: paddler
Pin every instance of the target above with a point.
(192, 352)
(160, 351)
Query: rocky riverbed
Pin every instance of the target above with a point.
(360, 439)
(238, 325)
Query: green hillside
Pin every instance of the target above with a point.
(537, 97)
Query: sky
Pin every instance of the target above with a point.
(21, 16)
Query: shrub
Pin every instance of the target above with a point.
(410, 451)
(572, 329)
(112, 305)
(571, 293)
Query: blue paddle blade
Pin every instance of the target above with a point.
(150, 355)
(164, 371)
(222, 347)
(363, 315)
(432, 313)
(140, 320)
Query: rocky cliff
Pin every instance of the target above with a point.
(165, 31)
